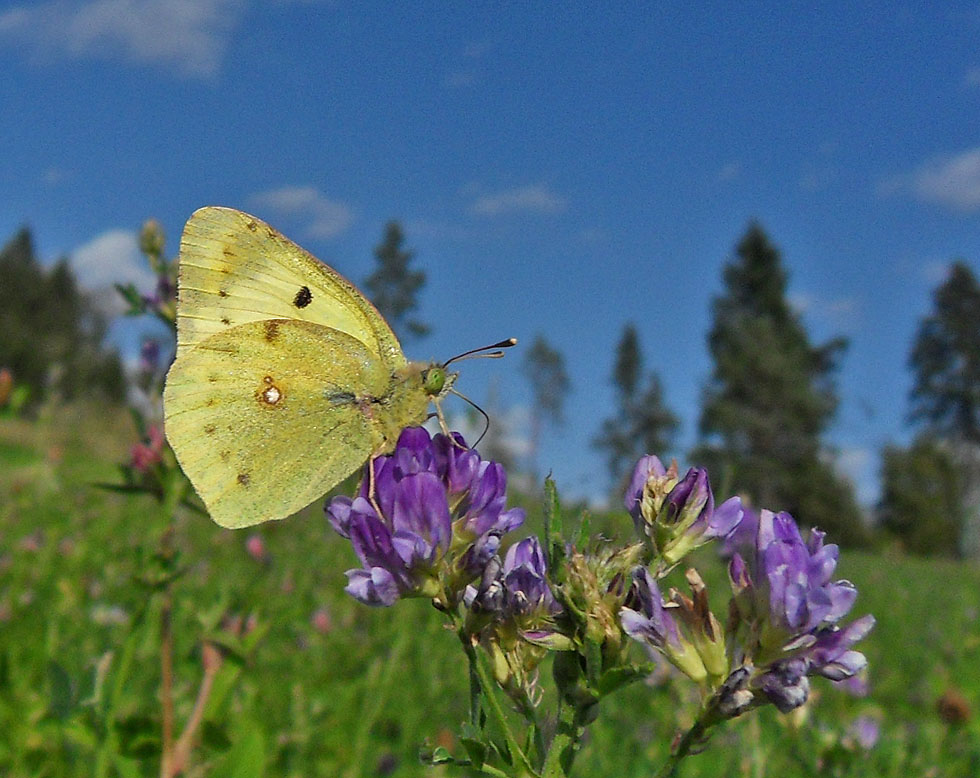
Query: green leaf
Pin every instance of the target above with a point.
(475, 748)
(554, 545)
(139, 737)
(213, 735)
(62, 694)
(246, 757)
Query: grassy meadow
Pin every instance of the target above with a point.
(313, 684)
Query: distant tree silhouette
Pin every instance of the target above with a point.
(642, 423)
(544, 367)
(771, 396)
(931, 490)
(52, 332)
(393, 286)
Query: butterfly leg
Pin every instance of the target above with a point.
(372, 486)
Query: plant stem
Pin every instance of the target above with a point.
(683, 748)
(212, 660)
(487, 684)
(167, 676)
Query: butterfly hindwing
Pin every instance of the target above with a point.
(235, 269)
(268, 415)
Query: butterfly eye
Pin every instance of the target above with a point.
(433, 380)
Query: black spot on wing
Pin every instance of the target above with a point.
(244, 479)
(303, 297)
(271, 327)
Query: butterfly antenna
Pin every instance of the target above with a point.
(475, 353)
(483, 413)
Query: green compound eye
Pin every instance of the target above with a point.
(433, 380)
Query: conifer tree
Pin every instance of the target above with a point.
(931, 490)
(945, 360)
(52, 331)
(771, 396)
(642, 423)
(544, 367)
(393, 286)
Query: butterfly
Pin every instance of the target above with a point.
(286, 378)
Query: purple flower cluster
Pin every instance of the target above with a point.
(516, 589)
(442, 513)
(786, 609)
(651, 623)
(677, 514)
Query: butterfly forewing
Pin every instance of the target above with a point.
(266, 416)
(235, 269)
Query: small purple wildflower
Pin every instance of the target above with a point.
(677, 514)
(442, 516)
(865, 732)
(651, 623)
(786, 609)
(517, 589)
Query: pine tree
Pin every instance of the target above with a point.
(931, 490)
(53, 333)
(946, 360)
(642, 424)
(771, 396)
(544, 367)
(393, 286)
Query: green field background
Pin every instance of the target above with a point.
(333, 688)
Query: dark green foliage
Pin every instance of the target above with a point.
(930, 490)
(921, 501)
(52, 331)
(946, 359)
(544, 367)
(770, 397)
(642, 424)
(393, 286)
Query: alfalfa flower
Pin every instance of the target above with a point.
(786, 611)
(442, 513)
(651, 622)
(675, 514)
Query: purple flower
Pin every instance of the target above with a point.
(864, 731)
(442, 515)
(786, 609)
(650, 622)
(525, 582)
(677, 515)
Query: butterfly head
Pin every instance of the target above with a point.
(437, 381)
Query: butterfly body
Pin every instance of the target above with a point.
(286, 378)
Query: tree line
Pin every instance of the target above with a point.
(764, 410)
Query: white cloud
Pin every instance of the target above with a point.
(53, 176)
(189, 35)
(952, 181)
(841, 313)
(532, 198)
(730, 171)
(321, 217)
(972, 77)
(110, 258)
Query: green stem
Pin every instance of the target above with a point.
(493, 705)
(683, 748)
(561, 752)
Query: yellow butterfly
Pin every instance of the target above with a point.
(286, 378)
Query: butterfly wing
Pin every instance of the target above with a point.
(235, 268)
(266, 416)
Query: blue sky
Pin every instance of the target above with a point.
(558, 170)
